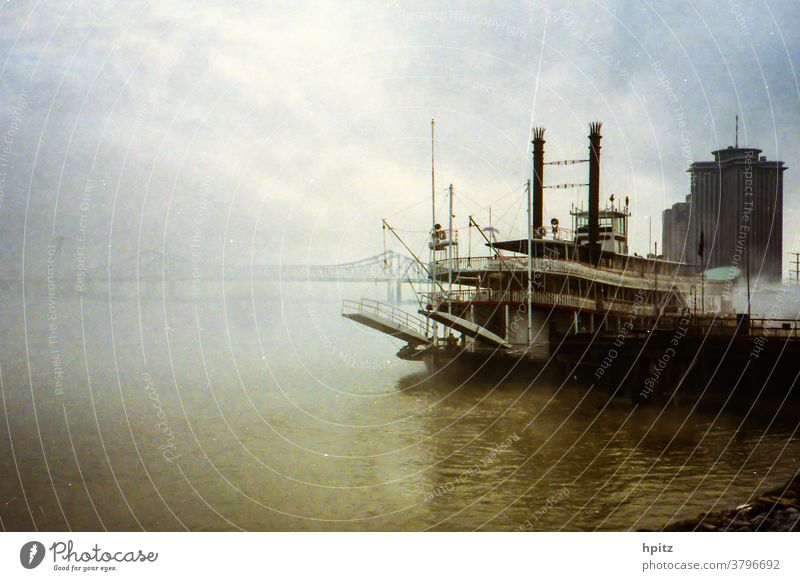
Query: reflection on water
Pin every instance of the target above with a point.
(280, 415)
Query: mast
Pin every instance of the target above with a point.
(530, 262)
(433, 218)
(450, 255)
(656, 298)
(491, 233)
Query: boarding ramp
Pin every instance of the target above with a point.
(387, 319)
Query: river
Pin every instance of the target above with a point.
(160, 413)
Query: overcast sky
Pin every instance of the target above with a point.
(267, 132)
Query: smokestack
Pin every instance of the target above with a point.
(594, 183)
(538, 180)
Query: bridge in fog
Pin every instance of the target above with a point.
(390, 268)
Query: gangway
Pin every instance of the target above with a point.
(387, 319)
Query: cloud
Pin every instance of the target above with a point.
(307, 123)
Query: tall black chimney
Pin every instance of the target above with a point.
(594, 183)
(538, 180)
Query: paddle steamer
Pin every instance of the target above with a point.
(574, 303)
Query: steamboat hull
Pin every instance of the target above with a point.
(488, 366)
(741, 372)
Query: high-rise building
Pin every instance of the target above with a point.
(675, 229)
(736, 209)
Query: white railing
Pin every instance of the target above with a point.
(564, 265)
(540, 297)
(512, 296)
(385, 311)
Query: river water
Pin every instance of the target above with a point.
(277, 414)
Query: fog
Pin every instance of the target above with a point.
(264, 134)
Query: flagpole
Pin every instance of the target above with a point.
(530, 262)
(747, 253)
(702, 251)
(434, 239)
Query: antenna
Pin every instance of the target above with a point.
(737, 131)
(433, 173)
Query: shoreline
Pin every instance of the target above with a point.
(774, 510)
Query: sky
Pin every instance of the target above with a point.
(284, 132)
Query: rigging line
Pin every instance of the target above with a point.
(421, 264)
(489, 242)
(564, 186)
(566, 162)
(413, 289)
(504, 196)
(507, 222)
(412, 205)
(504, 214)
(465, 196)
(517, 216)
(408, 231)
(510, 192)
(385, 258)
(440, 192)
(424, 200)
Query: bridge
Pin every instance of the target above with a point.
(388, 266)
(150, 266)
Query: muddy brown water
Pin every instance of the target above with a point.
(277, 414)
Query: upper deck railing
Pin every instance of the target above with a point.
(630, 277)
(561, 235)
(775, 327)
(539, 297)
